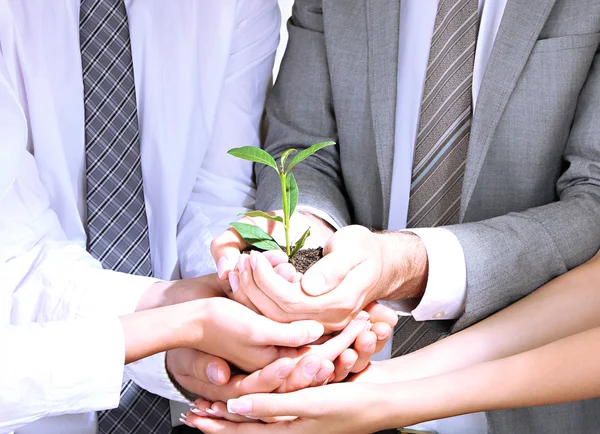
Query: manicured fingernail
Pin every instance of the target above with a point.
(213, 373)
(285, 372)
(242, 263)
(239, 406)
(253, 259)
(371, 347)
(183, 419)
(362, 315)
(234, 282)
(221, 263)
(198, 412)
(311, 369)
(252, 418)
(213, 413)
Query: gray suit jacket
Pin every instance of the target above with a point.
(531, 197)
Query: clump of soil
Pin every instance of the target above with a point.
(302, 261)
(305, 258)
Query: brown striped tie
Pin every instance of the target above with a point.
(443, 138)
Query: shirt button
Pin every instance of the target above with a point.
(439, 315)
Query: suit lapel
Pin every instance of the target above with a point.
(521, 25)
(383, 18)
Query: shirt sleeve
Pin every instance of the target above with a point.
(224, 186)
(53, 368)
(446, 289)
(151, 374)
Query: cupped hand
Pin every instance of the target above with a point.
(348, 408)
(297, 368)
(227, 247)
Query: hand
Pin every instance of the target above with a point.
(359, 267)
(227, 247)
(338, 408)
(226, 329)
(297, 369)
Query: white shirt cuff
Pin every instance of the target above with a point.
(151, 374)
(446, 289)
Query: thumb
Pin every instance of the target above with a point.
(328, 273)
(295, 334)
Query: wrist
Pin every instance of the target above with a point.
(405, 266)
(168, 293)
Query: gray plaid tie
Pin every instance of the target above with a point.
(117, 225)
(442, 142)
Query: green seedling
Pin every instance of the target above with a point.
(254, 235)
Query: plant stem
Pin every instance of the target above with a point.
(286, 216)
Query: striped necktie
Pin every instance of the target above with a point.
(116, 220)
(443, 138)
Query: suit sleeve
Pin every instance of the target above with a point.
(300, 113)
(510, 256)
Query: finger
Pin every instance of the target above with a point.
(303, 374)
(240, 296)
(202, 407)
(226, 249)
(220, 408)
(287, 271)
(383, 331)
(199, 367)
(381, 313)
(331, 349)
(344, 364)
(327, 370)
(219, 426)
(276, 257)
(300, 403)
(365, 346)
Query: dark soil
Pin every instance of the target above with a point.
(305, 258)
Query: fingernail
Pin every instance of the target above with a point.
(252, 418)
(213, 413)
(198, 412)
(242, 263)
(183, 419)
(213, 373)
(253, 259)
(315, 330)
(234, 282)
(221, 263)
(311, 369)
(285, 372)
(239, 406)
(323, 375)
(371, 347)
(362, 315)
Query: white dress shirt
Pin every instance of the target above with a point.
(62, 343)
(446, 286)
(201, 74)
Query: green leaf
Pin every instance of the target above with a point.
(284, 158)
(263, 214)
(255, 236)
(257, 155)
(300, 243)
(291, 188)
(303, 155)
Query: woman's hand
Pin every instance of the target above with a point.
(347, 408)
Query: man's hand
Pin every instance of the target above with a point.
(359, 267)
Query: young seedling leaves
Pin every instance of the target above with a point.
(257, 155)
(303, 155)
(300, 243)
(291, 188)
(255, 236)
(284, 158)
(264, 215)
